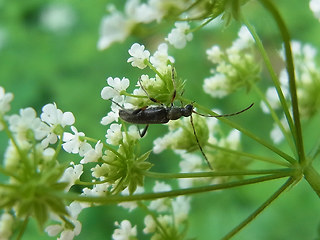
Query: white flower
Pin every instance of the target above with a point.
(133, 134)
(100, 170)
(6, 226)
(138, 56)
(5, 99)
(54, 116)
(71, 175)
(216, 85)
(141, 13)
(161, 58)
(181, 208)
(114, 134)
(162, 143)
(114, 28)
(55, 119)
(276, 134)
(315, 8)
(112, 116)
(116, 86)
(125, 231)
(57, 17)
(179, 36)
(214, 54)
(93, 154)
(65, 233)
(25, 123)
(97, 190)
(74, 142)
(150, 224)
(132, 204)
(162, 204)
(190, 163)
(232, 141)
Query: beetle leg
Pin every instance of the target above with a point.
(139, 110)
(152, 99)
(174, 85)
(144, 131)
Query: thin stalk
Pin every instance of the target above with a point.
(174, 193)
(154, 217)
(245, 132)
(276, 118)
(259, 210)
(274, 78)
(23, 228)
(78, 182)
(292, 81)
(9, 174)
(249, 155)
(288, 171)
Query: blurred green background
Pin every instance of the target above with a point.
(43, 61)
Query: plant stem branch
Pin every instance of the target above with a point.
(292, 81)
(288, 171)
(249, 155)
(114, 199)
(275, 82)
(259, 210)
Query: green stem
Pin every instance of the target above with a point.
(174, 193)
(313, 178)
(9, 174)
(155, 70)
(275, 80)
(292, 81)
(260, 209)
(23, 228)
(78, 182)
(15, 144)
(249, 155)
(58, 149)
(276, 118)
(288, 171)
(133, 95)
(244, 131)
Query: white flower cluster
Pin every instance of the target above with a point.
(117, 26)
(235, 68)
(171, 220)
(31, 156)
(160, 62)
(315, 8)
(307, 83)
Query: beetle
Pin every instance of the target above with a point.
(163, 114)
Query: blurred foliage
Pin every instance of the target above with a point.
(41, 64)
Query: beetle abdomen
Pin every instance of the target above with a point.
(153, 115)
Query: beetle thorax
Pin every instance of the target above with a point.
(175, 113)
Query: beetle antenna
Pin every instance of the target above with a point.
(225, 115)
(195, 134)
(117, 104)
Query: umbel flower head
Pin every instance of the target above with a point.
(235, 68)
